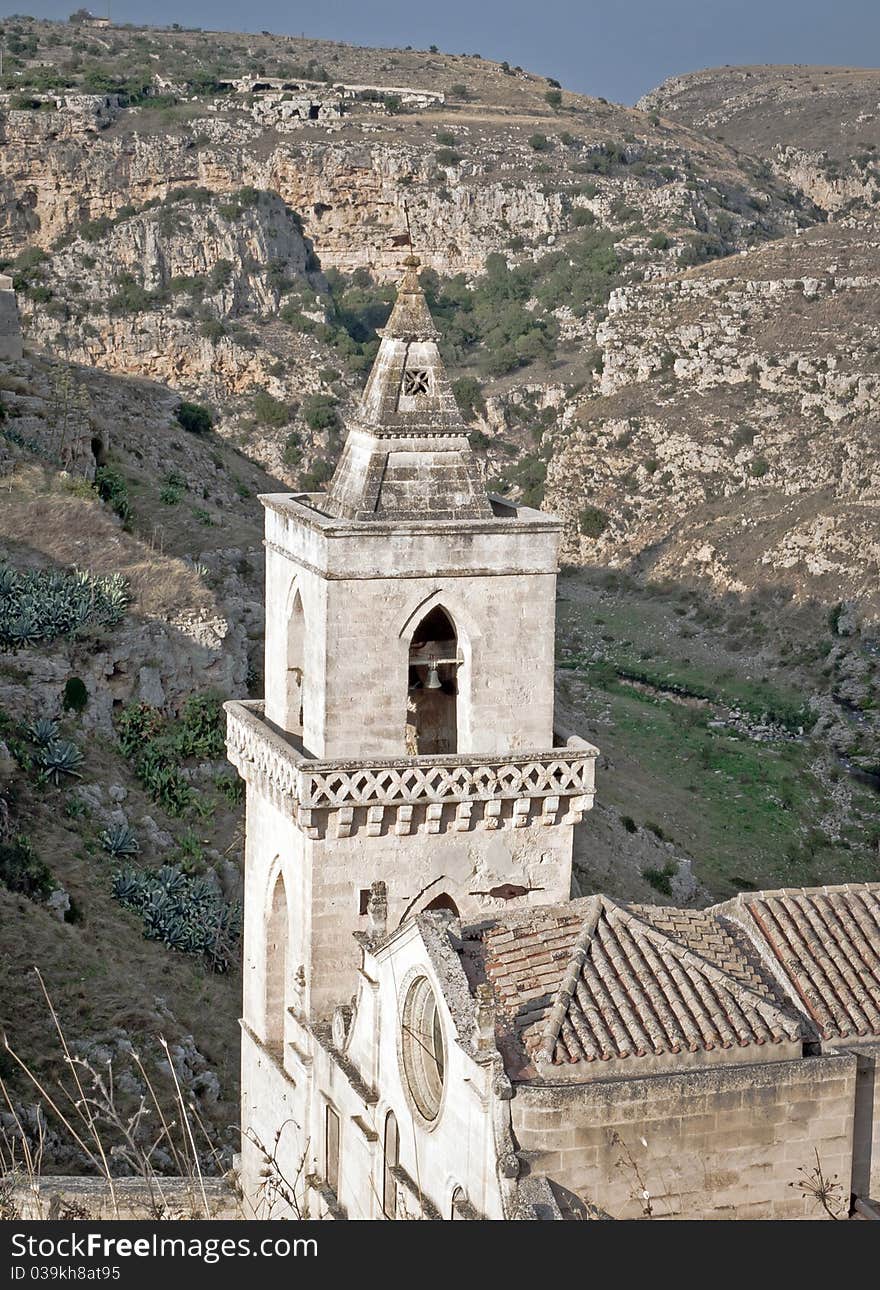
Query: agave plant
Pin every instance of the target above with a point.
(61, 757)
(184, 913)
(128, 887)
(40, 604)
(43, 731)
(119, 840)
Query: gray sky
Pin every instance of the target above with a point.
(614, 48)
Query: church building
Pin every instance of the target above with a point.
(431, 1027)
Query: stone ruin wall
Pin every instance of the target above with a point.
(723, 1142)
(10, 325)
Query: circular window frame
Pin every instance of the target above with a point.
(425, 1099)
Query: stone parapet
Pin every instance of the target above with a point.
(411, 794)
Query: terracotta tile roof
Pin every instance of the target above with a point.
(825, 945)
(701, 931)
(595, 981)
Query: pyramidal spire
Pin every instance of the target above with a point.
(407, 455)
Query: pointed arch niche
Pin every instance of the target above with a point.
(277, 942)
(433, 716)
(295, 678)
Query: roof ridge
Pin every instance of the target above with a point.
(565, 991)
(725, 980)
(828, 889)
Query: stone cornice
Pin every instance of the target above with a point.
(368, 575)
(303, 507)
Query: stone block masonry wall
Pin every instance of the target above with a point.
(10, 327)
(866, 1132)
(723, 1143)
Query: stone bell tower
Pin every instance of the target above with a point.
(407, 731)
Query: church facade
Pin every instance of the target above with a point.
(431, 1028)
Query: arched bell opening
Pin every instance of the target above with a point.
(432, 694)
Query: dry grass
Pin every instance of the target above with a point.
(116, 1136)
(62, 521)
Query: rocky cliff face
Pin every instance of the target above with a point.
(153, 293)
(725, 405)
(817, 127)
(196, 616)
(349, 184)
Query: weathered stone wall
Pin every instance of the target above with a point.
(128, 1198)
(723, 1143)
(364, 591)
(417, 869)
(362, 1082)
(10, 327)
(866, 1127)
(323, 880)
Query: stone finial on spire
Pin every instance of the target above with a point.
(410, 319)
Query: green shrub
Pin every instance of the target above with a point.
(241, 201)
(447, 157)
(111, 487)
(701, 248)
(660, 879)
(554, 98)
(201, 727)
(469, 395)
(138, 723)
(581, 217)
(629, 824)
(592, 522)
(132, 297)
(294, 317)
(445, 138)
(221, 274)
(269, 411)
(293, 453)
(312, 480)
(22, 871)
(95, 230)
(157, 745)
(212, 329)
(540, 143)
(320, 412)
(231, 788)
(195, 418)
(759, 467)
